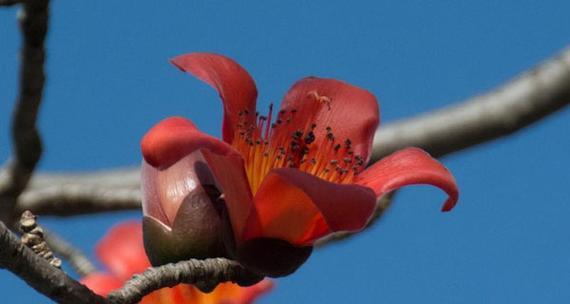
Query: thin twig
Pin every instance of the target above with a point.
(39, 274)
(75, 257)
(209, 272)
(525, 100)
(27, 142)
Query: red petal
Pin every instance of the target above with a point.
(351, 112)
(122, 250)
(165, 190)
(233, 83)
(408, 167)
(299, 208)
(101, 283)
(175, 166)
(175, 137)
(231, 293)
(229, 173)
(249, 294)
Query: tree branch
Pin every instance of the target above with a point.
(74, 199)
(74, 256)
(530, 97)
(204, 273)
(39, 274)
(27, 142)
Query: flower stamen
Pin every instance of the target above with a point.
(268, 144)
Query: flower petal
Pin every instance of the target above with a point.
(122, 251)
(101, 283)
(174, 166)
(299, 208)
(351, 112)
(175, 137)
(234, 84)
(231, 180)
(407, 167)
(232, 293)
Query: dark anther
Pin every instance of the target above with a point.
(310, 138)
(297, 134)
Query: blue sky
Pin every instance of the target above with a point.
(507, 240)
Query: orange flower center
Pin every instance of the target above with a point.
(291, 141)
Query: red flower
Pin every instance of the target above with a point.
(122, 251)
(295, 175)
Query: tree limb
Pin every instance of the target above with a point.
(203, 273)
(27, 142)
(39, 274)
(74, 199)
(530, 97)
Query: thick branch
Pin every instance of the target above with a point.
(39, 274)
(507, 109)
(209, 273)
(74, 199)
(27, 142)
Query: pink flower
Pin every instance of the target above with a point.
(122, 251)
(295, 175)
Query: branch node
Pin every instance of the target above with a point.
(33, 237)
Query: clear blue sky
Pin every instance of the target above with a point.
(507, 241)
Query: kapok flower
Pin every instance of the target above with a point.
(122, 251)
(295, 175)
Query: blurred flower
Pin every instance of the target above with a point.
(122, 252)
(284, 180)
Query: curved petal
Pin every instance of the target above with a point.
(233, 83)
(231, 180)
(122, 251)
(351, 112)
(174, 166)
(224, 293)
(299, 208)
(408, 167)
(232, 293)
(101, 283)
(175, 137)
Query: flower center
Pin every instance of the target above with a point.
(294, 140)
